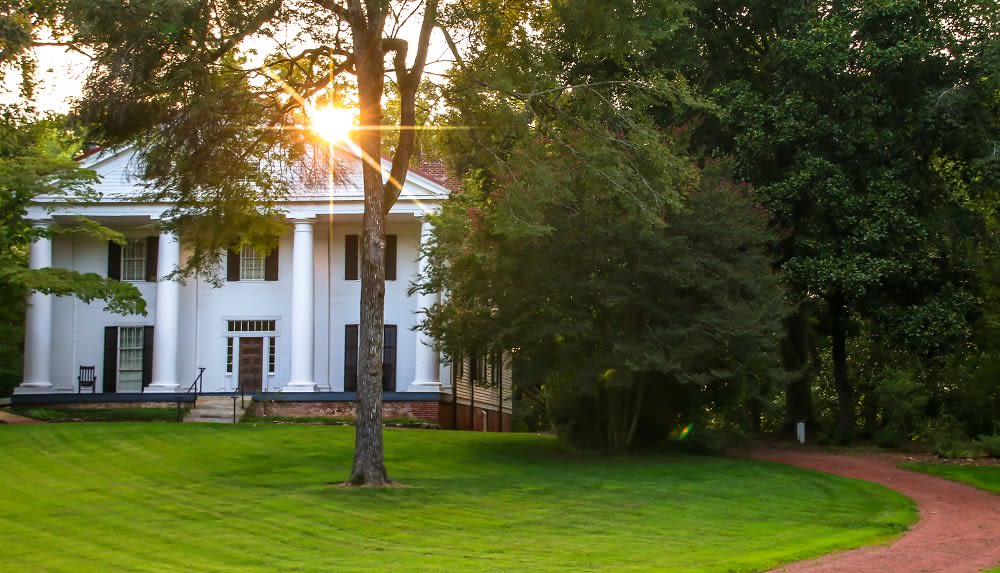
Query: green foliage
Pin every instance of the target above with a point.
(587, 238)
(945, 438)
(497, 502)
(990, 445)
(842, 123)
(35, 161)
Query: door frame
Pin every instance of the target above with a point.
(232, 376)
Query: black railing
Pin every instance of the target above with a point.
(241, 394)
(194, 387)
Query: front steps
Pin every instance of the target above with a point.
(216, 409)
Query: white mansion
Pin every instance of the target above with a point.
(284, 326)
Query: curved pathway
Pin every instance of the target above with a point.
(8, 418)
(958, 531)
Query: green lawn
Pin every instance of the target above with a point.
(190, 497)
(982, 477)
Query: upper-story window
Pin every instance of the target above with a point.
(247, 264)
(135, 260)
(251, 264)
(352, 257)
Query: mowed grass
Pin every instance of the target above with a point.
(188, 497)
(982, 477)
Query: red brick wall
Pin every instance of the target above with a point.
(428, 411)
(444, 414)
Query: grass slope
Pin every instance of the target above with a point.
(982, 477)
(208, 498)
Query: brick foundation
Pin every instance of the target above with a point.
(427, 411)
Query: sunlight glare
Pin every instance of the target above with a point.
(332, 123)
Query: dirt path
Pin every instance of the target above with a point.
(958, 531)
(8, 418)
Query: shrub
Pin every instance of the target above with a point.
(946, 439)
(990, 445)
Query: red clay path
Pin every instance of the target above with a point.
(958, 531)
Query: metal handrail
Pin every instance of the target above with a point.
(243, 404)
(197, 382)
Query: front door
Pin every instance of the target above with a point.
(251, 364)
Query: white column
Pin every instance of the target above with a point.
(302, 378)
(166, 319)
(38, 327)
(427, 364)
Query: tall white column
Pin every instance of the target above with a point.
(302, 378)
(427, 365)
(166, 320)
(38, 327)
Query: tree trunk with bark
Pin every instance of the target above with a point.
(845, 392)
(369, 459)
(370, 50)
(797, 354)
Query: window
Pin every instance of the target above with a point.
(252, 325)
(496, 369)
(272, 349)
(133, 261)
(247, 264)
(352, 257)
(128, 358)
(351, 335)
(229, 355)
(251, 265)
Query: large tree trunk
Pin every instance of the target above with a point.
(369, 459)
(845, 392)
(370, 49)
(797, 352)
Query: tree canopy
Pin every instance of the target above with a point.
(587, 237)
(216, 95)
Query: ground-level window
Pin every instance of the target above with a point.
(128, 358)
(351, 333)
(272, 353)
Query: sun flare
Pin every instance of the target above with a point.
(332, 123)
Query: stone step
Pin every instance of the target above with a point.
(216, 409)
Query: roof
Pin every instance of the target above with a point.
(322, 178)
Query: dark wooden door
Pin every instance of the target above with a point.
(251, 364)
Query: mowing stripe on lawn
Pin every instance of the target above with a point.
(185, 497)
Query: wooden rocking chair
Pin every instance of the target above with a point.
(86, 379)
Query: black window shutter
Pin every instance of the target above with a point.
(233, 265)
(271, 266)
(351, 257)
(351, 357)
(152, 255)
(114, 261)
(110, 358)
(147, 355)
(390, 257)
(389, 358)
